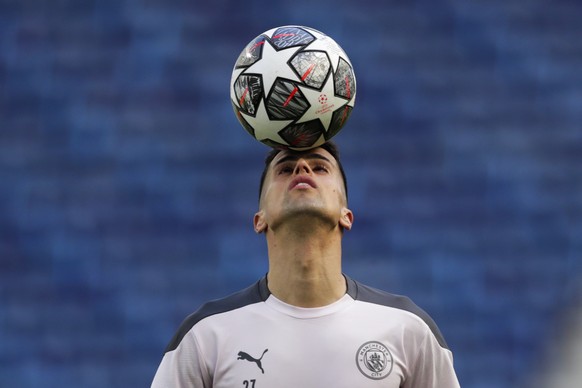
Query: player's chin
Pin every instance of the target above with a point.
(309, 215)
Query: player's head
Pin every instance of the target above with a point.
(330, 147)
(302, 185)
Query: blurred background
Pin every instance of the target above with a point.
(127, 187)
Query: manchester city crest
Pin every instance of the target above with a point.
(374, 360)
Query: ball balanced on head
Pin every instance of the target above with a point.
(293, 87)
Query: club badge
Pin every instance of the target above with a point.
(374, 360)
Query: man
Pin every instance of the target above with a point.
(306, 324)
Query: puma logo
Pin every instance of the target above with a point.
(247, 357)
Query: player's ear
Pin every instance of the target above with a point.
(259, 222)
(347, 218)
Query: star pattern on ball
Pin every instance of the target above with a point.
(273, 64)
(235, 74)
(323, 43)
(264, 127)
(323, 110)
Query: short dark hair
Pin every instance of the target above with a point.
(330, 147)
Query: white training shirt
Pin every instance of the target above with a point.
(251, 339)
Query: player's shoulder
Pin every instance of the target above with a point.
(364, 293)
(255, 293)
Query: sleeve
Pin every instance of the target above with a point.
(433, 367)
(183, 367)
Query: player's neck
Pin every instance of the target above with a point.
(305, 270)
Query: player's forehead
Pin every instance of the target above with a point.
(312, 154)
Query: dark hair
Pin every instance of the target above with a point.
(330, 147)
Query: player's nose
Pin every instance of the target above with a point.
(302, 167)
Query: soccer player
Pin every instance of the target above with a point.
(306, 324)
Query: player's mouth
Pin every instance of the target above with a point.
(302, 182)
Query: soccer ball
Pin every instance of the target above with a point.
(293, 87)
